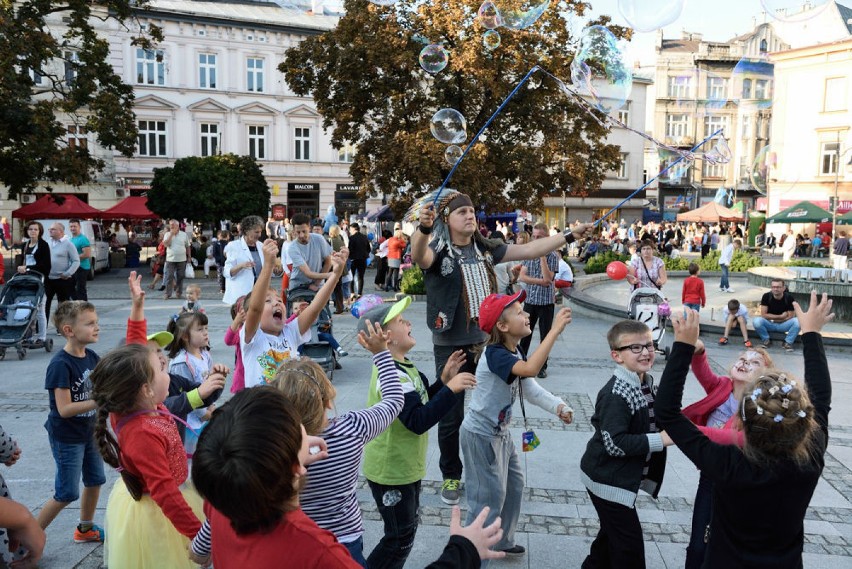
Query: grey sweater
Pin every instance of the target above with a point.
(64, 260)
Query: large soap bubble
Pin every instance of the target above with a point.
(649, 15)
(600, 69)
(449, 126)
(489, 16)
(763, 163)
(520, 14)
(452, 154)
(677, 172)
(720, 153)
(491, 40)
(433, 58)
(383, 2)
(794, 10)
(754, 80)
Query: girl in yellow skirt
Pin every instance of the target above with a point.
(150, 516)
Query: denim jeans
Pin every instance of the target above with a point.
(701, 514)
(399, 507)
(724, 284)
(695, 307)
(356, 550)
(448, 429)
(73, 460)
(763, 327)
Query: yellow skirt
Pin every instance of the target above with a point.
(140, 536)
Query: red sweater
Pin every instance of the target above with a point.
(151, 449)
(693, 291)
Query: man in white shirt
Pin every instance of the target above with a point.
(725, 263)
(176, 243)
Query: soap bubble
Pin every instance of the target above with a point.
(763, 163)
(383, 2)
(794, 10)
(365, 303)
(449, 126)
(452, 154)
(720, 153)
(433, 58)
(491, 40)
(677, 174)
(649, 15)
(520, 14)
(753, 80)
(489, 16)
(600, 70)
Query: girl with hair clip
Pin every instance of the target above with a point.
(191, 360)
(762, 490)
(150, 516)
(716, 416)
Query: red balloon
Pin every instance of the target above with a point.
(616, 270)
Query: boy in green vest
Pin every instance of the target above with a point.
(395, 461)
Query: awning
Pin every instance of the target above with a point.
(133, 207)
(57, 206)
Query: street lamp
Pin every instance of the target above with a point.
(836, 184)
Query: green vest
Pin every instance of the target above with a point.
(397, 456)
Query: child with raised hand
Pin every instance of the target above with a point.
(627, 450)
(232, 338)
(735, 315)
(149, 517)
(267, 339)
(71, 421)
(395, 461)
(762, 490)
(329, 497)
(493, 476)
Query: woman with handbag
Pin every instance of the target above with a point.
(648, 270)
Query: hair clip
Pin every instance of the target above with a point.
(756, 393)
(779, 417)
(773, 390)
(785, 403)
(175, 317)
(787, 388)
(802, 414)
(759, 410)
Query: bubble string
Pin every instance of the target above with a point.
(481, 130)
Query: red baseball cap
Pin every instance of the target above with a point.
(494, 305)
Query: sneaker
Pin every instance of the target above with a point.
(747, 343)
(765, 344)
(729, 289)
(450, 491)
(723, 340)
(542, 374)
(95, 534)
(341, 353)
(515, 550)
(787, 347)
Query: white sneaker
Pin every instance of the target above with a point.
(729, 290)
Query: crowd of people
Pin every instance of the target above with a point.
(269, 475)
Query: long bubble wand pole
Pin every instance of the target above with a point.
(481, 130)
(663, 171)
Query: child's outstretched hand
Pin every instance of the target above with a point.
(454, 363)
(375, 339)
(239, 319)
(482, 537)
(317, 450)
(270, 252)
(699, 346)
(686, 326)
(818, 314)
(562, 319)
(16, 454)
(565, 414)
(137, 294)
(461, 382)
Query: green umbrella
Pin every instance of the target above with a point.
(802, 212)
(845, 219)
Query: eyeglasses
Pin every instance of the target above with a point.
(637, 348)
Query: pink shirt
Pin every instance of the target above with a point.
(233, 339)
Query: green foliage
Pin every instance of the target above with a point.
(367, 84)
(210, 188)
(709, 263)
(740, 263)
(676, 263)
(412, 281)
(33, 134)
(598, 263)
(803, 263)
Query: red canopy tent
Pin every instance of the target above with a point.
(133, 207)
(57, 206)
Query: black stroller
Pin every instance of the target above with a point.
(319, 351)
(19, 314)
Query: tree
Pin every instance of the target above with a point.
(76, 83)
(210, 189)
(365, 78)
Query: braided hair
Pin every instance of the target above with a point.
(778, 419)
(116, 382)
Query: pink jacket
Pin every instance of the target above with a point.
(233, 339)
(718, 389)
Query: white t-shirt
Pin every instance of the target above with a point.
(564, 273)
(265, 352)
(743, 311)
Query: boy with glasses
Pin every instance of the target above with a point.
(626, 452)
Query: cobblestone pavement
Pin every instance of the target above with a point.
(557, 522)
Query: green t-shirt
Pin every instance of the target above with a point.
(81, 242)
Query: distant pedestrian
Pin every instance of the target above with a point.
(84, 251)
(839, 257)
(64, 263)
(359, 251)
(725, 263)
(177, 247)
(693, 295)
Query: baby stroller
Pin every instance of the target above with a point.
(319, 351)
(648, 305)
(19, 314)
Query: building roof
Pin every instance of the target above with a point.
(688, 46)
(846, 14)
(288, 13)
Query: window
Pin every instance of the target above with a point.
(746, 88)
(745, 168)
(624, 113)
(37, 77)
(676, 125)
(835, 94)
(679, 87)
(716, 88)
(713, 170)
(624, 170)
(206, 71)
(150, 68)
(763, 47)
(761, 89)
(209, 139)
(257, 142)
(302, 143)
(712, 123)
(346, 153)
(828, 158)
(152, 138)
(77, 137)
(254, 77)
(72, 60)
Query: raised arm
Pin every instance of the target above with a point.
(817, 375)
(310, 314)
(373, 421)
(259, 290)
(420, 251)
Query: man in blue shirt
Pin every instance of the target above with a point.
(84, 251)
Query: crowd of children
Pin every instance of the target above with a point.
(274, 475)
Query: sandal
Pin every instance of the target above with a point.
(723, 340)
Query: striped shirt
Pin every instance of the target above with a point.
(537, 294)
(329, 497)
